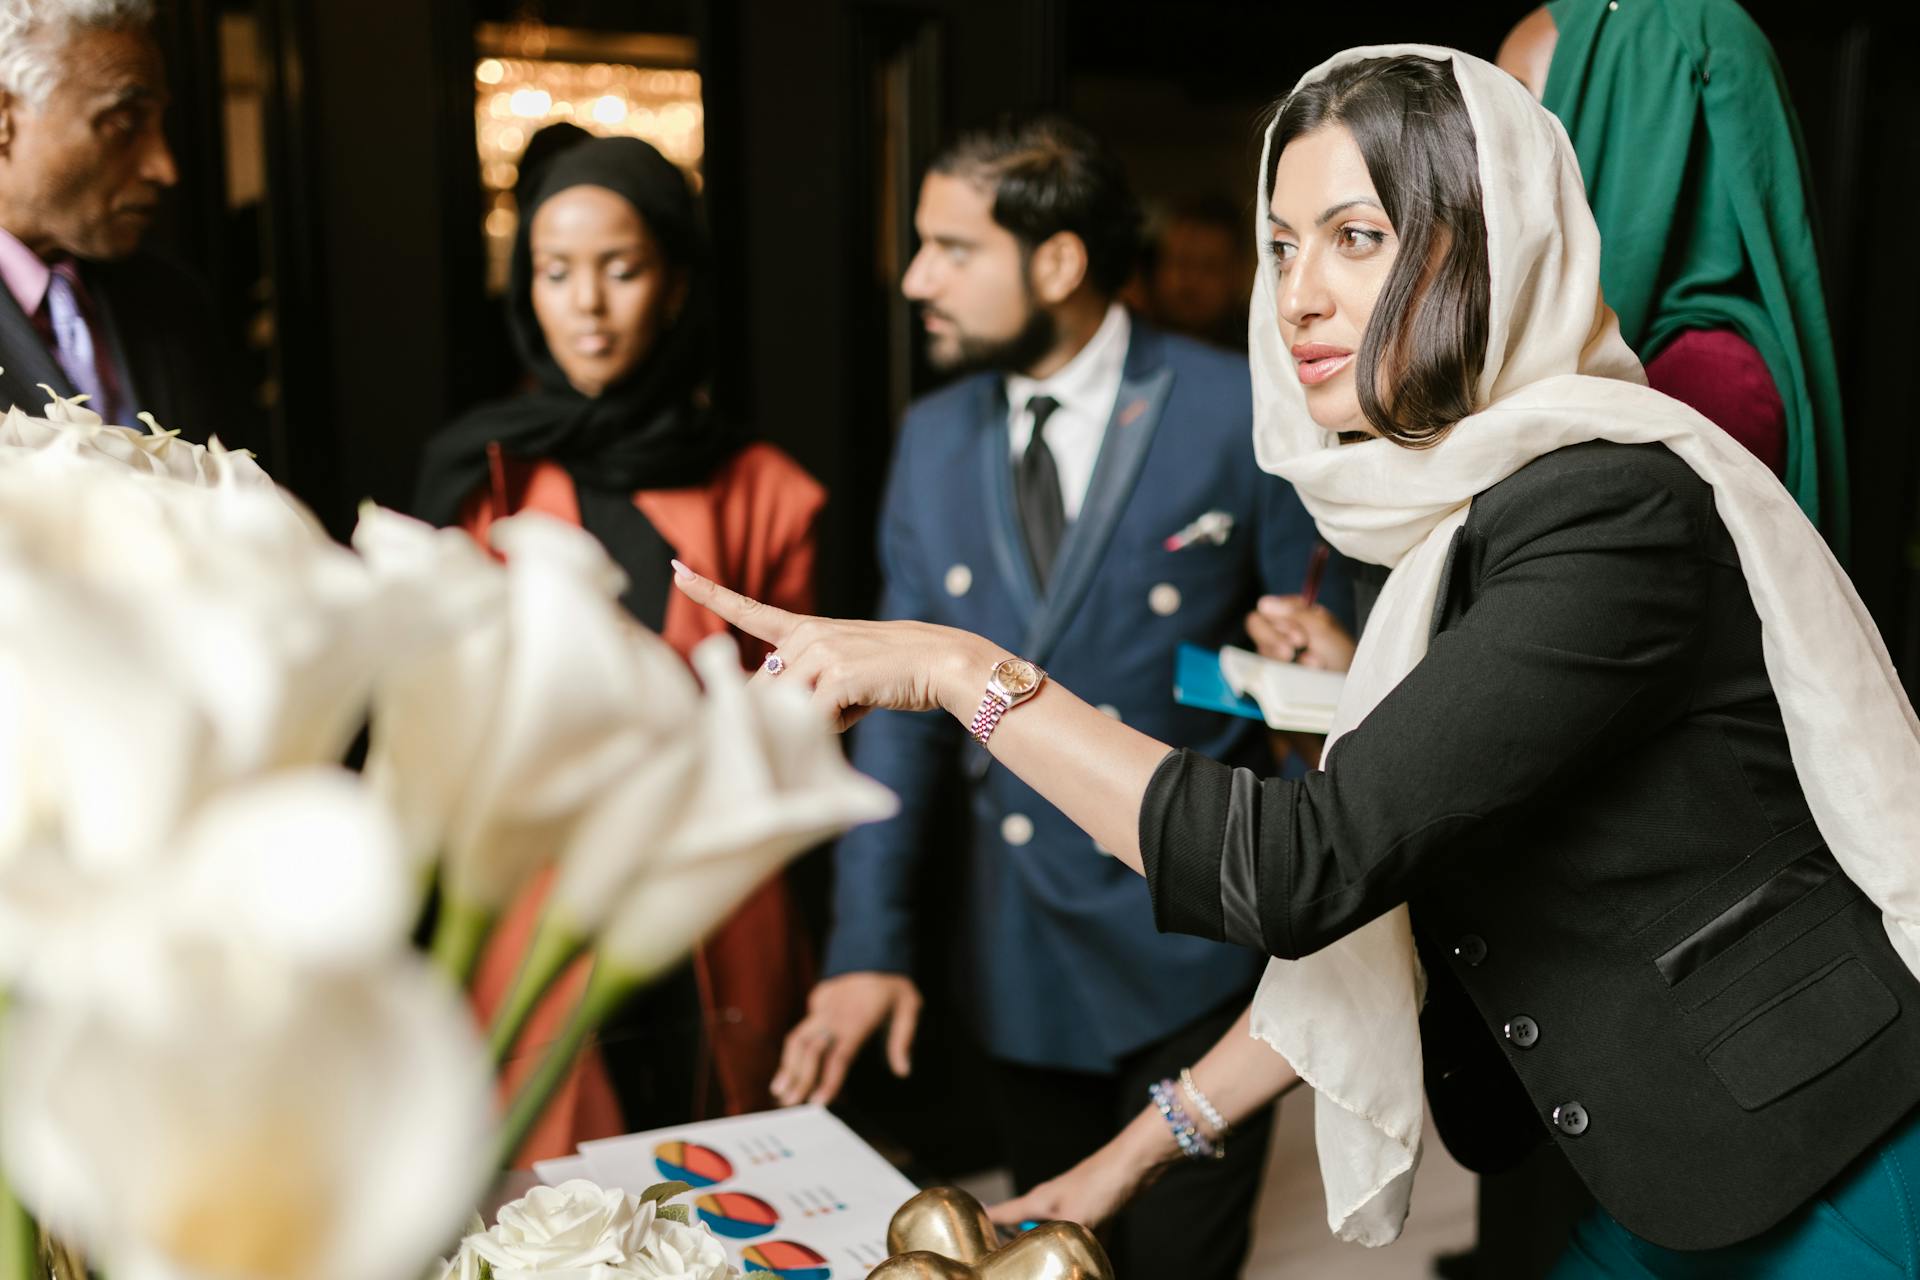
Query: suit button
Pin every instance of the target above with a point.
(1570, 1118)
(1523, 1032)
(1471, 949)
(1016, 829)
(1164, 599)
(959, 581)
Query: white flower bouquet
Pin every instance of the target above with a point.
(580, 1231)
(220, 1054)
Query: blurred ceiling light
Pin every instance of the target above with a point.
(522, 84)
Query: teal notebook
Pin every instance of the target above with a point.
(1198, 682)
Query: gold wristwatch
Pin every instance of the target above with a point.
(1013, 681)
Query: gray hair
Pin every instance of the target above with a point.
(34, 34)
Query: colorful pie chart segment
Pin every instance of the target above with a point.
(688, 1162)
(785, 1260)
(736, 1215)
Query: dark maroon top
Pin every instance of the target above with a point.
(1719, 373)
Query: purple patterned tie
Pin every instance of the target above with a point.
(67, 308)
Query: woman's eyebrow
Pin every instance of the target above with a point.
(1328, 216)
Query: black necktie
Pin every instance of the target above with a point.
(1043, 513)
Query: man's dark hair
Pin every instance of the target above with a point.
(1420, 361)
(1049, 175)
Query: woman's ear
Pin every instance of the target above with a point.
(1058, 267)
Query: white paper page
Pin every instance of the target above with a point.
(793, 1193)
(1291, 697)
(555, 1172)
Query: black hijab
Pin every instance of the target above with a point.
(650, 430)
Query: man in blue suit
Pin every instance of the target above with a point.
(1088, 498)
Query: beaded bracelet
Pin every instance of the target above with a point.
(1193, 1144)
(1204, 1106)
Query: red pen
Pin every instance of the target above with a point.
(1316, 567)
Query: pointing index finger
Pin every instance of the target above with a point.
(762, 621)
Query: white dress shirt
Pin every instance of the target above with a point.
(1086, 387)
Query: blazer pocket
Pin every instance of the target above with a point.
(1804, 1032)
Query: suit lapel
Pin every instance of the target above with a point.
(996, 486)
(26, 360)
(1144, 387)
(140, 388)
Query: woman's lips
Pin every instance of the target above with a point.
(593, 344)
(1317, 362)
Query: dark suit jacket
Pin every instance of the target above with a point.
(160, 327)
(1066, 968)
(1637, 942)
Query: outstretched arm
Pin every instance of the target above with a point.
(1239, 1075)
(1095, 769)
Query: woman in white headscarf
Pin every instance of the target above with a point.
(1616, 835)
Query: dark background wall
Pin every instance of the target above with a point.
(820, 115)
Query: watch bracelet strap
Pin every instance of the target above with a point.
(987, 718)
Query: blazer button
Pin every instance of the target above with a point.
(1164, 599)
(1523, 1032)
(1016, 829)
(1570, 1118)
(1471, 950)
(959, 581)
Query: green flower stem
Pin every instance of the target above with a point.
(555, 946)
(607, 989)
(457, 938)
(19, 1237)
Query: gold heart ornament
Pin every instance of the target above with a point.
(944, 1234)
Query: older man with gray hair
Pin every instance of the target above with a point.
(83, 165)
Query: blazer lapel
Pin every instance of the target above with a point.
(1444, 596)
(141, 387)
(996, 487)
(1144, 388)
(26, 361)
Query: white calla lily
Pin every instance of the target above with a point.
(300, 869)
(302, 1127)
(771, 782)
(584, 690)
(432, 716)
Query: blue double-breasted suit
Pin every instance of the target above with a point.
(1068, 970)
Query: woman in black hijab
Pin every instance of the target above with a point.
(611, 313)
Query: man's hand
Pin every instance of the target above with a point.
(841, 1013)
(1289, 629)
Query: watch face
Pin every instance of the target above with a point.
(1017, 676)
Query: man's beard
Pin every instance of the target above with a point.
(1037, 336)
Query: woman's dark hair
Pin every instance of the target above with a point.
(1049, 175)
(1426, 343)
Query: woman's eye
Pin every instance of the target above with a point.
(553, 274)
(1361, 238)
(1283, 253)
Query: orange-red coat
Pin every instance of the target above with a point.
(750, 527)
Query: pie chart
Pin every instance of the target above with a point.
(736, 1215)
(785, 1260)
(691, 1163)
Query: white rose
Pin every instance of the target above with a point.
(579, 1229)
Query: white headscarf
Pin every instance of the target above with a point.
(1557, 374)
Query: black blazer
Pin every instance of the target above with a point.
(160, 327)
(1636, 941)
